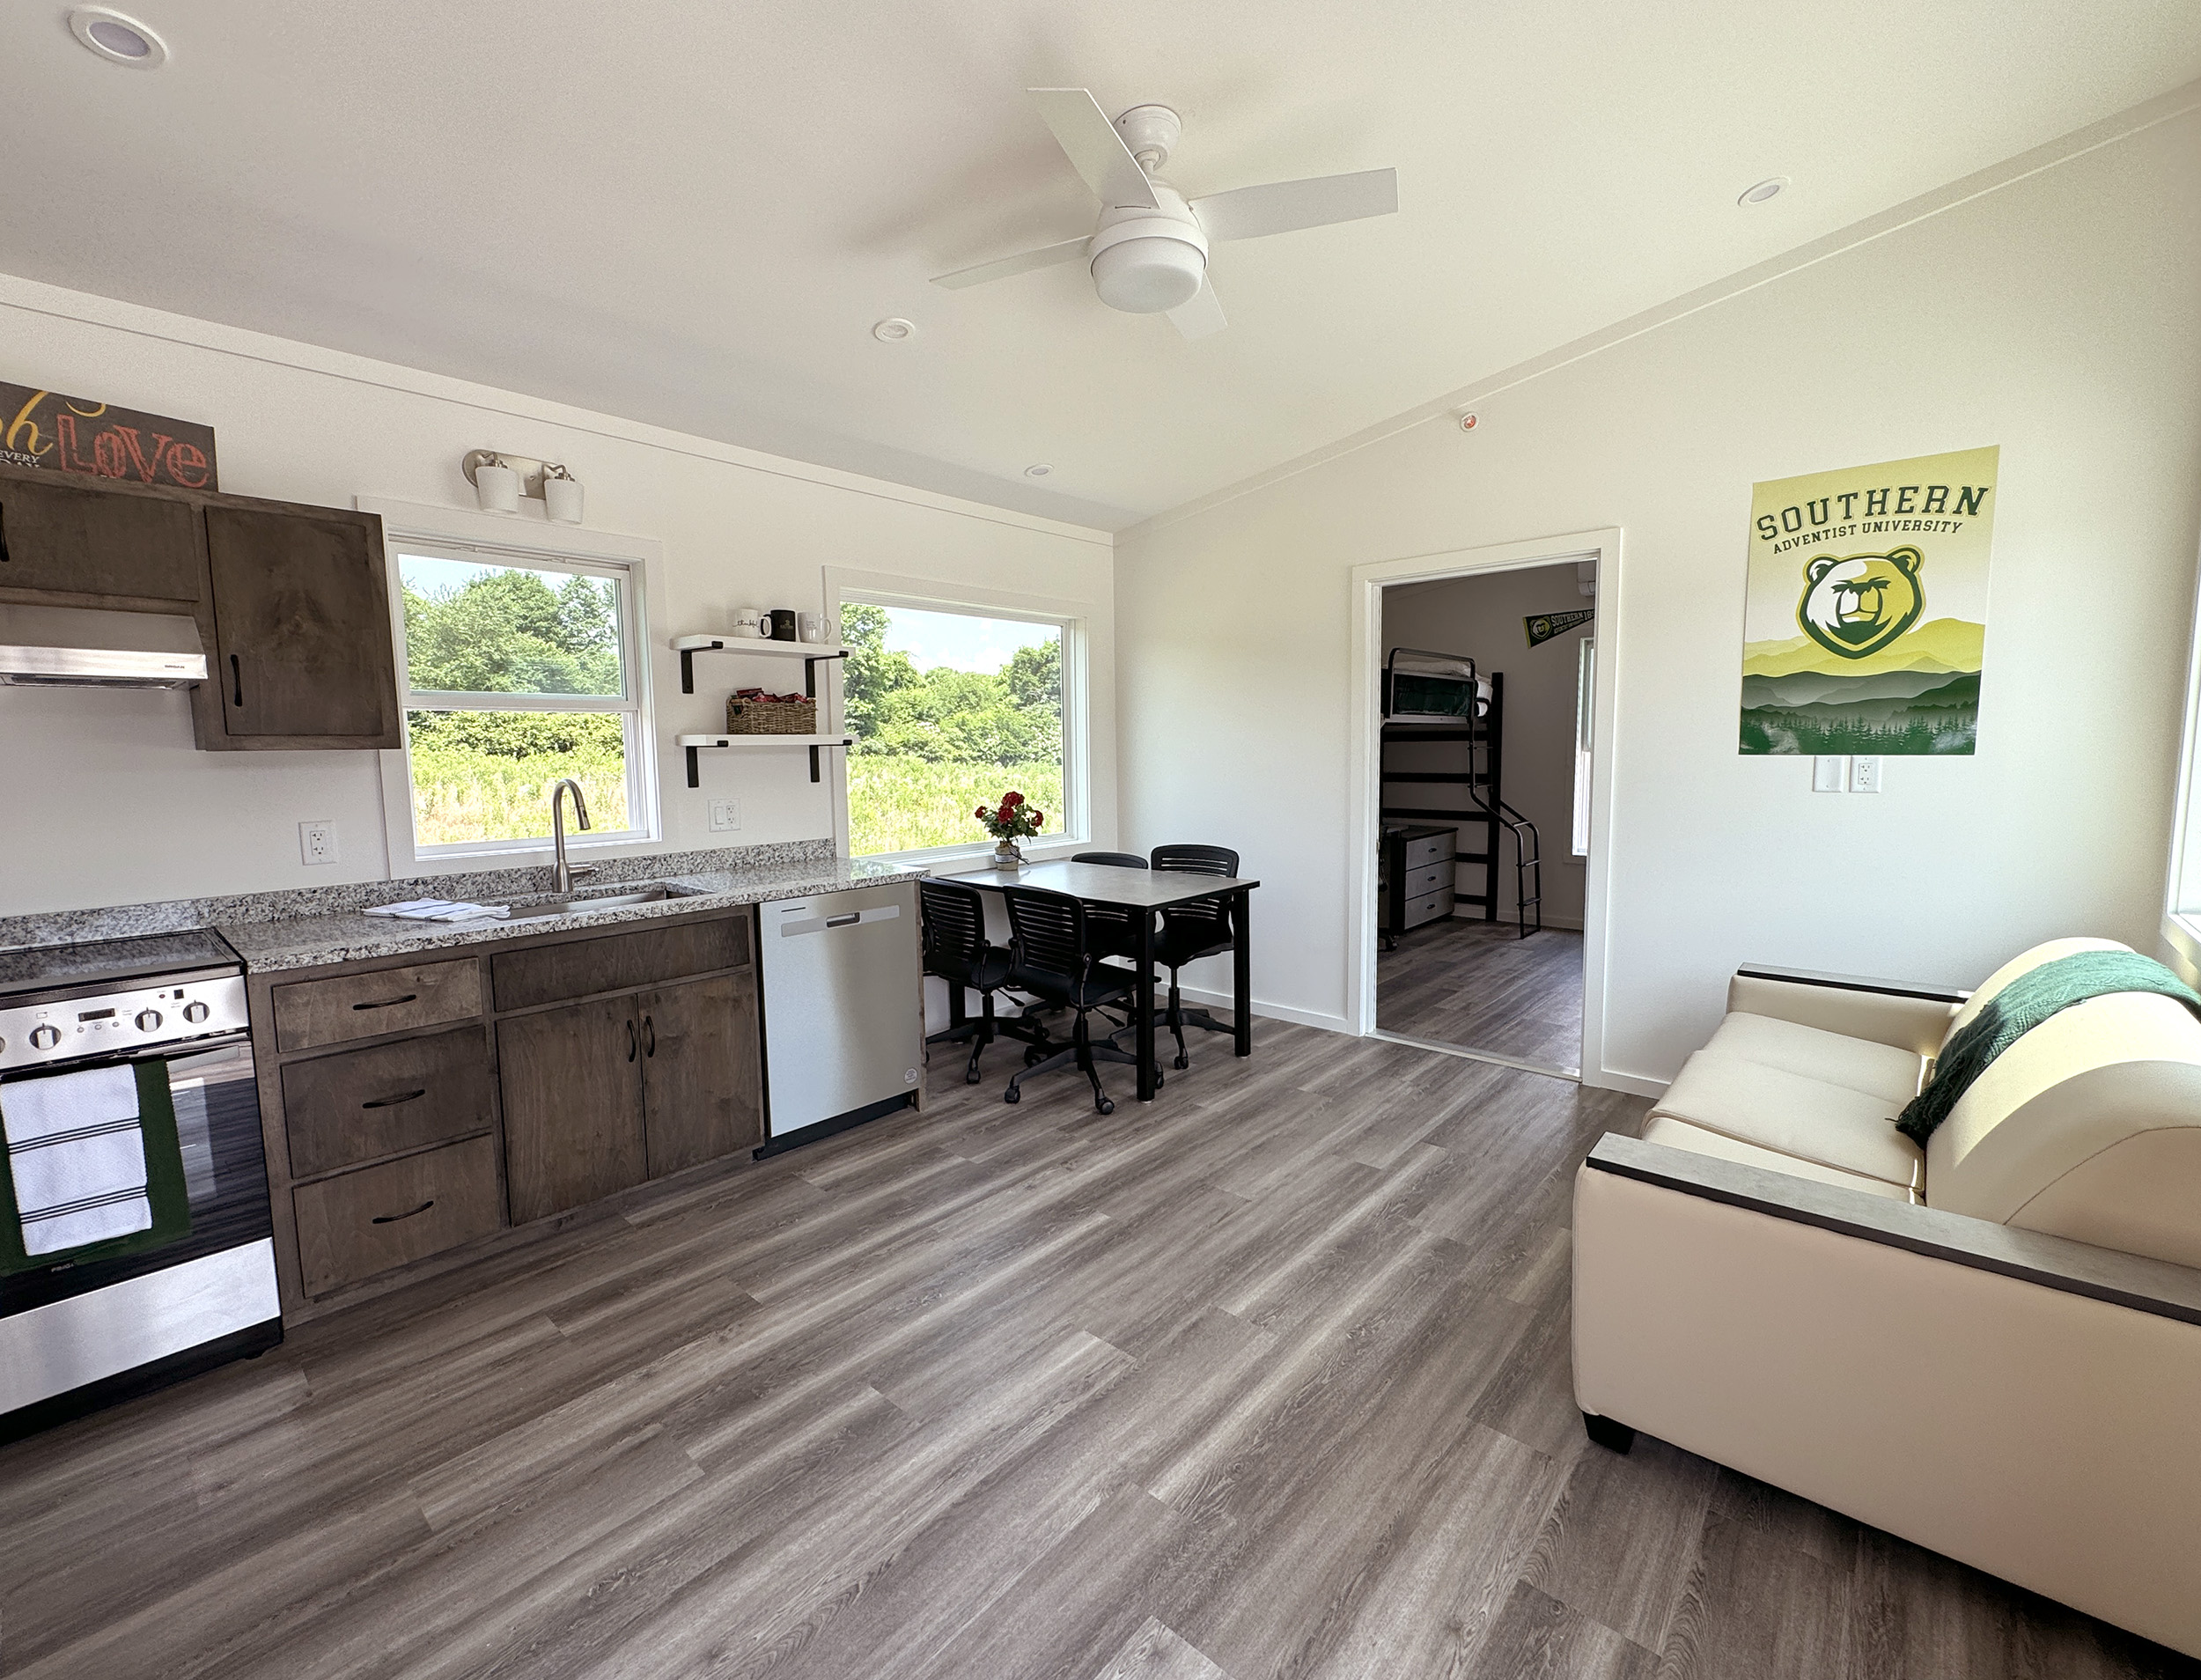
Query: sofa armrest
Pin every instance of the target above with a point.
(2162, 1288)
(1909, 1016)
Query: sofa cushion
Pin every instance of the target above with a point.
(1793, 1114)
(1877, 1070)
(1679, 1134)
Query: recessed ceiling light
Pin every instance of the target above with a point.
(118, 39)
(894, 330)
(1038, 470)
(1765, 189)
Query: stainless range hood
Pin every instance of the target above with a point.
(98, 667)
(93, 648)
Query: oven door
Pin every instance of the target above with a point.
(224, 1171)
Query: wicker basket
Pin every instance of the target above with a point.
(771, 717)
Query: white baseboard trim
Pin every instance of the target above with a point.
(1208, 999)
(1607, 1079)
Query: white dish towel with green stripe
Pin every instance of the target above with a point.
(77, 1155)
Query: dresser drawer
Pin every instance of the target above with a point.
(1414, 853)
(1428, 879)
(1427, 908)
(618, 962)
(308, 1013)
(361, 1105)
(358, 1223)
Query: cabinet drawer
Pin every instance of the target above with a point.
(389, 1000)
(1415, 853)
(1427, 908)
(363, 1104)
(618, 962)
(1416, 883)
(353, 1226)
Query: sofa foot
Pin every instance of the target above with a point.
(1615, 1437)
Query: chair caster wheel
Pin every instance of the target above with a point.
(1182, 1063)
(1105, 1106)
(1013, 1095)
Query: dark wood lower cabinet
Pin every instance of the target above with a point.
(572, 1087)
(359, 1223)
(699, 1071)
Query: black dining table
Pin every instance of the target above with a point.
(1145, 893)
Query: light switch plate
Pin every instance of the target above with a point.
(317, 842)
(1830, 773)
(726, 815)
(1865, 773)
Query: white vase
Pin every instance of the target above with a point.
(1005, 856)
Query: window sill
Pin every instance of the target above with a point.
(1051, 851)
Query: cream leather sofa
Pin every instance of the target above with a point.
(1990, 1346)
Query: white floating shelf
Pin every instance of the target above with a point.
(694, 744)
(809, 652)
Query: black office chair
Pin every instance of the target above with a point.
(955, 948)
(1113, 930)
(1052, 957)
(1204, 927)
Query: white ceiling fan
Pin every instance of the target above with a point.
(1149, 253)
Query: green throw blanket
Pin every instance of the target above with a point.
(2023, 1005)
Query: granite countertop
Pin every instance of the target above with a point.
(349, 936)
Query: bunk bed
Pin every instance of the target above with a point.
(1434, 698)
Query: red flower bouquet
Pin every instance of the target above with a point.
(1014, 820)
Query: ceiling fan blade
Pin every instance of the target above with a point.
(1201, 316)
(1046, 257)
(1096, 151)
(1286, 206)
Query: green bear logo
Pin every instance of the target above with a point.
(1857, 606)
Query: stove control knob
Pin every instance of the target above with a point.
(148, 1019)
(45, 1037)
(196, 1013)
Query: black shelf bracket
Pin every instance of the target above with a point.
(694, 779)
(809, 665)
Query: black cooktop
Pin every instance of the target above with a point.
(36, 968)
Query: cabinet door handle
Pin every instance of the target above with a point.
(237, 681)
(392, 1219)
(649, 1036)
(388, 1002)
(630, 1041)
(392, 1101)
(4, 556)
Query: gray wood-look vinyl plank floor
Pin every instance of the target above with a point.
(1480, 985)
(1267, 1378)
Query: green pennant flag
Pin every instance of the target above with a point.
(1544, 626)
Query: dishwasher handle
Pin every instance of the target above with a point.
(795, 925)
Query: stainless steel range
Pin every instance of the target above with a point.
(136, 1247)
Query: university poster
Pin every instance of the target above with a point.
(1867, 610)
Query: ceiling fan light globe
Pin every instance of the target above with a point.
(1148, 276)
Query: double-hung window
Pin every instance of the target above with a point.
(951, 708)
(520, 668)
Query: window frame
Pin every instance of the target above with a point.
(489, 539)
(1071, 622)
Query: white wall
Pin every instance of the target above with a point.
(105, 800)
(1481, 617)
(2056, 316)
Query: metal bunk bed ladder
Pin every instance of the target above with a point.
(1482, 728)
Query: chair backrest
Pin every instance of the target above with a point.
(1207, 920)
(954, 927)
(1114, 860)
(1048, 932)
(2088, 1126)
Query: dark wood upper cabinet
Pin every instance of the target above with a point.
(301, 614)
(572, 1086)
(699, 1071)
(78, 546)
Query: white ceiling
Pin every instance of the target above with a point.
(690, 212)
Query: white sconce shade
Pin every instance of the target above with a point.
(497, 487)
(561, 499)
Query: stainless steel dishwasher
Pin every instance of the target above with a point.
(843, 1010)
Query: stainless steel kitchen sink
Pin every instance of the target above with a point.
(648, 892)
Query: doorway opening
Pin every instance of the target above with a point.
(1483, 759)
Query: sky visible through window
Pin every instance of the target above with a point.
(959, 641)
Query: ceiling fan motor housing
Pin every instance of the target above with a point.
(1146, 262)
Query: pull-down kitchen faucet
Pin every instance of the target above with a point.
(561, 878)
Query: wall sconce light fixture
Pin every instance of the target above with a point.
(499, 481)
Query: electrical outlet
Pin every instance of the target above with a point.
(724, 814)
(1865, 774)
(1829, 773)
(317, 842)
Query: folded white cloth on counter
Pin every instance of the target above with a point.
(441, 910)
(76, 1158)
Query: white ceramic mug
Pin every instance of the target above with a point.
(811, 627)
(752, 621)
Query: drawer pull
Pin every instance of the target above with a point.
(389, 1003)
(237, 679)
(392, 1101)
(392, 1219)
